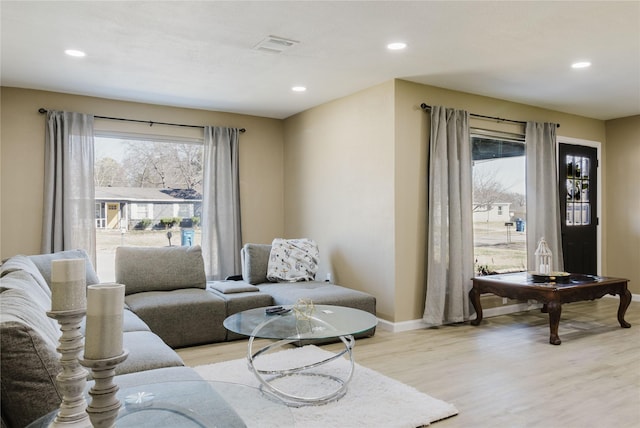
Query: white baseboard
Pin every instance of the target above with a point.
(397, 327)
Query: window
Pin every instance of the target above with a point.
(184, 210)
(148, 193)
(499, 210)
(100, 215)
(141, 211)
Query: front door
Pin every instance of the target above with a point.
(113, 215)
(578, 202)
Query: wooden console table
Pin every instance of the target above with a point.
(520, 286)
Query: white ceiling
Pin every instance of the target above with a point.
(200, 54)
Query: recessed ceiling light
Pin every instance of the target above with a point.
(298, 89)
(75, 53)
(396, 46)
(581, 64)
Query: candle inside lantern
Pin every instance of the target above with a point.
(103, 335)
(68, 285)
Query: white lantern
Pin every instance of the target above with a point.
(543, 258)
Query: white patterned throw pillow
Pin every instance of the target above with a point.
(293, 260)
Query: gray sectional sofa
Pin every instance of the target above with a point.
(168, 304)
(29, 361)
(167, 288)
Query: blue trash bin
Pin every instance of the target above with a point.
(186, 237)
(519, 225)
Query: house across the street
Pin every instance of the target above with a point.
(498, 211)
(143, 207)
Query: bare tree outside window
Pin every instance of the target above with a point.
(108, 172)
(487, 190)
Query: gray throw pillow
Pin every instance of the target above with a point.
(43, 262)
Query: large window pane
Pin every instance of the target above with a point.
(148, 193)
(499, 210)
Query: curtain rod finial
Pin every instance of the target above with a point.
(42, 110)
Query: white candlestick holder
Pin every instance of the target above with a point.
(104, 406)
(72, 380)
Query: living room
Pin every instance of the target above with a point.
(350, 172)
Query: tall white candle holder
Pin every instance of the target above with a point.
(104, 406)
(72, 380)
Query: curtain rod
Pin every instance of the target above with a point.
(424, 106)
(151, 123)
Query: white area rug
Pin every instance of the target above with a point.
(372, 400)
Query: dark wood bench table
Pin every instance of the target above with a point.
(521, 286)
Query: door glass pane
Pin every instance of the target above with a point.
(578, 180)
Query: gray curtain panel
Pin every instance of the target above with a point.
(69, 194)
(543, 201)
(221, 231)
(450, 229)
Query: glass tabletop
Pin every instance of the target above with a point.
(200, 404)
(325, 321)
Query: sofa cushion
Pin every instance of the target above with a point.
(159, 268)
(183, 317)
(130, 322)
(238, 302)
(146, 352)
(22, 280)
(29, 363)
(255, 260)
(43, 262)
(231, 287)
(25, 264)
(322, 293)
(293, 260)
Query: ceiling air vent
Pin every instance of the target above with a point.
(274, 44)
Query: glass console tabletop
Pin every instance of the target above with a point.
(195, 404)
(326, 321)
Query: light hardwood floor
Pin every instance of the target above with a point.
(504, 373)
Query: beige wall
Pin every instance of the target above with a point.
(22, 159)
(377, 240)
(339, 167)
(622, 187)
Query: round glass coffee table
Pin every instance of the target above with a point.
(316, 322)
(193, 403)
